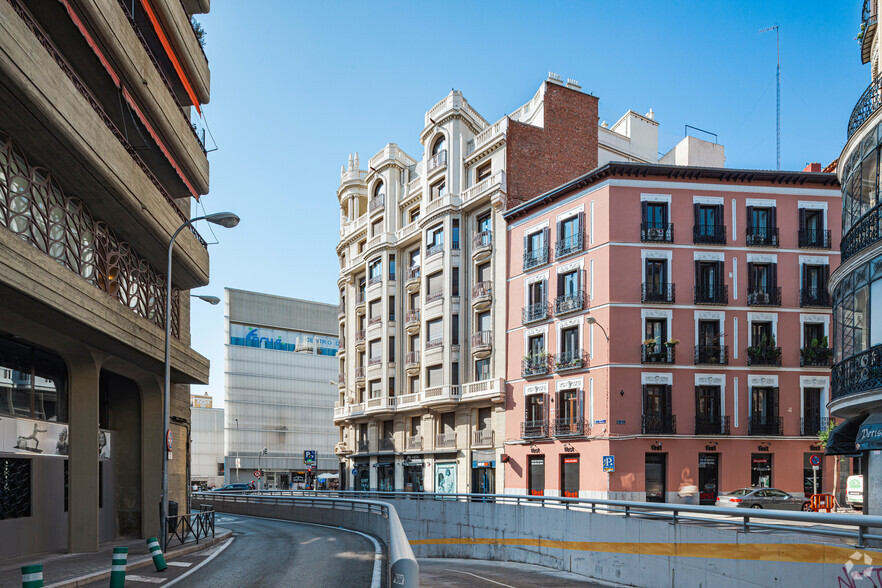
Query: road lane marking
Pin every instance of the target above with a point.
(131, 578)
(207, 559)
(180, 564)
(481, 577)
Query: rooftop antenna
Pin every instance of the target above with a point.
(778, 83)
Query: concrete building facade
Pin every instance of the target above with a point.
(207, 443)
(98, 163)
(280, 369)
(683, 342)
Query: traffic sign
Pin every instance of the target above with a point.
(168, 439)
(354, 471)
(256, 473)
(309, 457)
(815, 460)
(238, 463)
(609, 463)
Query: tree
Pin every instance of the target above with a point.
(823, 436)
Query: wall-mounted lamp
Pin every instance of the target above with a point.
(622, 392)
(593, 321)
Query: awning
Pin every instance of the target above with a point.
(328, 476)
(842, 438)
(869, 436)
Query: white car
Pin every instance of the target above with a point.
(854, 493)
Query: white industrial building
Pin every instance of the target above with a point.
(279, 387)
(206, 442)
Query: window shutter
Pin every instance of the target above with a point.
(546, 409)
(825, 276)
(698, 283)
(697, 210)
(582, 407)
(749, 277)
(774, 403)
(526, 408)
(668, 402)
(698, 403)
(545, 233)
(582, 286)
(526, 242)
(749, 217)
(718, 217)
(560, 284)
(581, 228)
(773, 271)
(802, 218)
(560, 233)
(773, 217)
(543, 294)
(644, 211)
(805, 276)
(720, 270)
(645, 391)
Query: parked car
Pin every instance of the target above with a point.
(770, 498)
(233, 487)
(854, 492)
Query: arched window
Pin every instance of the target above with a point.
(379, 192)
(439, 146)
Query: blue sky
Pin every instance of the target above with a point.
(297, 86)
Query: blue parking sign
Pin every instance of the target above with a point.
(609, 463)
(309, 457)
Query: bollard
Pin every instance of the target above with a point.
(118, 569)
(32, 576)
(156, 552)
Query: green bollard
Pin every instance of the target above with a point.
(156, 552)
(118, 569)
(32, 576)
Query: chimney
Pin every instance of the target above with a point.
(812, 167)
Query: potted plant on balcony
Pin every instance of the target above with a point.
(672, 342)
(654, 351)
(535, 361)
(817, 352)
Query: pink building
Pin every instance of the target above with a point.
(674, 318)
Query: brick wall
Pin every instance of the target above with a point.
(539, 159)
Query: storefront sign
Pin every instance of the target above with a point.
(571, 460)
(710, 447)
(656, 447)
(869, 436)
(483, 464)
(762, 448)
(282, 340)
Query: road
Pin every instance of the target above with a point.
(471, 573)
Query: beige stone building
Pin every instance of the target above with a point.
(98, 167)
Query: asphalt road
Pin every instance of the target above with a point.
(470, 573)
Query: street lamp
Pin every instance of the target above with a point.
(259, 455)
(593, 321)
(224, 219)
(237, 449)
(212, 300)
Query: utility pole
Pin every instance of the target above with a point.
(778, 83)
(237, 450)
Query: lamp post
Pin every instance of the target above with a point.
(259, 455)
(224, 219)
(212, 300)
(237, 450)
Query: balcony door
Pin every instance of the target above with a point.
(708, 219)
(764, 407)
(709, 333)
(656, 275)
(536, 293)
(569, 343)
(568, 284)
(536, 345)
(707, 410)
(569, 410)
(812, 332)
(535, 408)
(656, 329)
(811, 411)
(655, 215)
(709, 278)
(761, 334)
(656, 406)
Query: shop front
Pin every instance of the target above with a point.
(656, 477)
(386, 476)
(536, 475)
(569, 476)
(761, 470)
(413, 474)
(483, 472)
(708, 478)
(362, 476)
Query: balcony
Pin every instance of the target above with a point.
(534, 366)
(386, 444)
(570, 427)
(534, 312)
(573, 359)
(359, 339)
(482, 246)
(374, 280)
(356, 409)
(764, 297)
(433, 296)
(412, 321)
(408, 400)
(765, 425)
(412, 279)
(375, 320)
(709, 234)
(710, 294)
(657, 232)
(567, 303)
(483, 438)
(377, 202)
(341, 380)
(445, 440)
(441, 394)
(816, 356)
(436, 249)
(814, 297)
(414, 443)
(482, 343)
(342, 449)
(437, 160)
(657, 353)
(658, 424)
(534, 429)
(359, 302)
(412, 363)
(359, 374)
(718, 425)
(711, 355)
(340, 413)
(492, 390)
(535, 258)
(865, 232)
(341, 309)
(482, 295)
(811, 427)
(494, 185)
(814, 238)
(857, 373)
(434, 344)
(569, 245)
(375, 360)
(363, 446)
(341, 351)
(657, 293)
(380, 404)
(868, 30)
(764, 355)
(761, 237)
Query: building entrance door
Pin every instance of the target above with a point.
(483, 480)
(708, 478)
(569, 476)
(656, 474)
(413, 478)
(536, 478)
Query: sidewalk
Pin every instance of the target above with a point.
(61, 570)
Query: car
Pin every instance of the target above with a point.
(770, 498)
(233, 487)
(854, 493)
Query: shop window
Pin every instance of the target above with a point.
(761, 470)
(569, 476)
(15, 488)
(536, 475)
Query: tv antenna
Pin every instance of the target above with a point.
(778, 84)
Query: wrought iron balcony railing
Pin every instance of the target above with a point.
(654, 424)
(814, 238)
(764, 297)
(434, 249)
(445, 440)
(814, 297)
(363, 446)
(711, 354)
(569, 303)
(535, 258)
(765, 425)
(411, 358)
(711, 425)
(811, 427)
(651, 292)
(483, 438)
(482, 339)
(482, 239)
(481, 290)
(534, 429)
(709, 234)
(857, 373)
(570, 427)
(570, 360)
(763, 355)
(534, 312)
(712, 294)
(386, 444)
(657, 353)
(414, 442)
(412, 274)
(412, 316)
(815, 356)
(762, 237)
(867, 104)
(569, 245)
(657, 232)
(534, 366)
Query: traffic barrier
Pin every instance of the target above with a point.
(156, 552)
(32, 576)
(118, 569)
(821, 501)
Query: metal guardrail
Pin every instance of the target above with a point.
(403, 569)
(195, 524)
(845, 526)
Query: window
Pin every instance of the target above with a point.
(535, 249)
(415, 385)
(761, 334)
(454, 281)
(709, 226)
(482, 321)
(535, 417)
(762, 226)
(482, 273)
(454, 329)
(379, 190)
(33, 383)
(391, 267)
(482, 370)
(709, 349)
(15, 488)
(814, 285)
(376, 227)
(536, 345)
(361, 245)
(375, 388)
(569, 406)
(454, 374)
(391, 308)
(764, 412)
(709, 286)
(434, 286)
(656, 288)
(434, 331)
(657, 417)
(570, 235)
(414, 301)
(537, 303)
(414, 258)
(484, 223)
(484, 171)
(655, 334)
(439, 145)
(388, 429)
(811, 333)
(569, 343)
(811, 412)
(707, 411)
(434, 376)
(762, 284)
(375, 271)
(376, 350)
(536, 482)
(438, 190)
(536, 292)
(375, 309)
(414, 214)
(454, 232)
(811, 229)
(655, 225)
(434, 240)
(391, 349)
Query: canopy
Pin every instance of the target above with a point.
(869, 436)
(842, 438)
(328, 476)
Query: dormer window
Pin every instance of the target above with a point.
(439, 153)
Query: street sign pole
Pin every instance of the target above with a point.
(815, 479)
